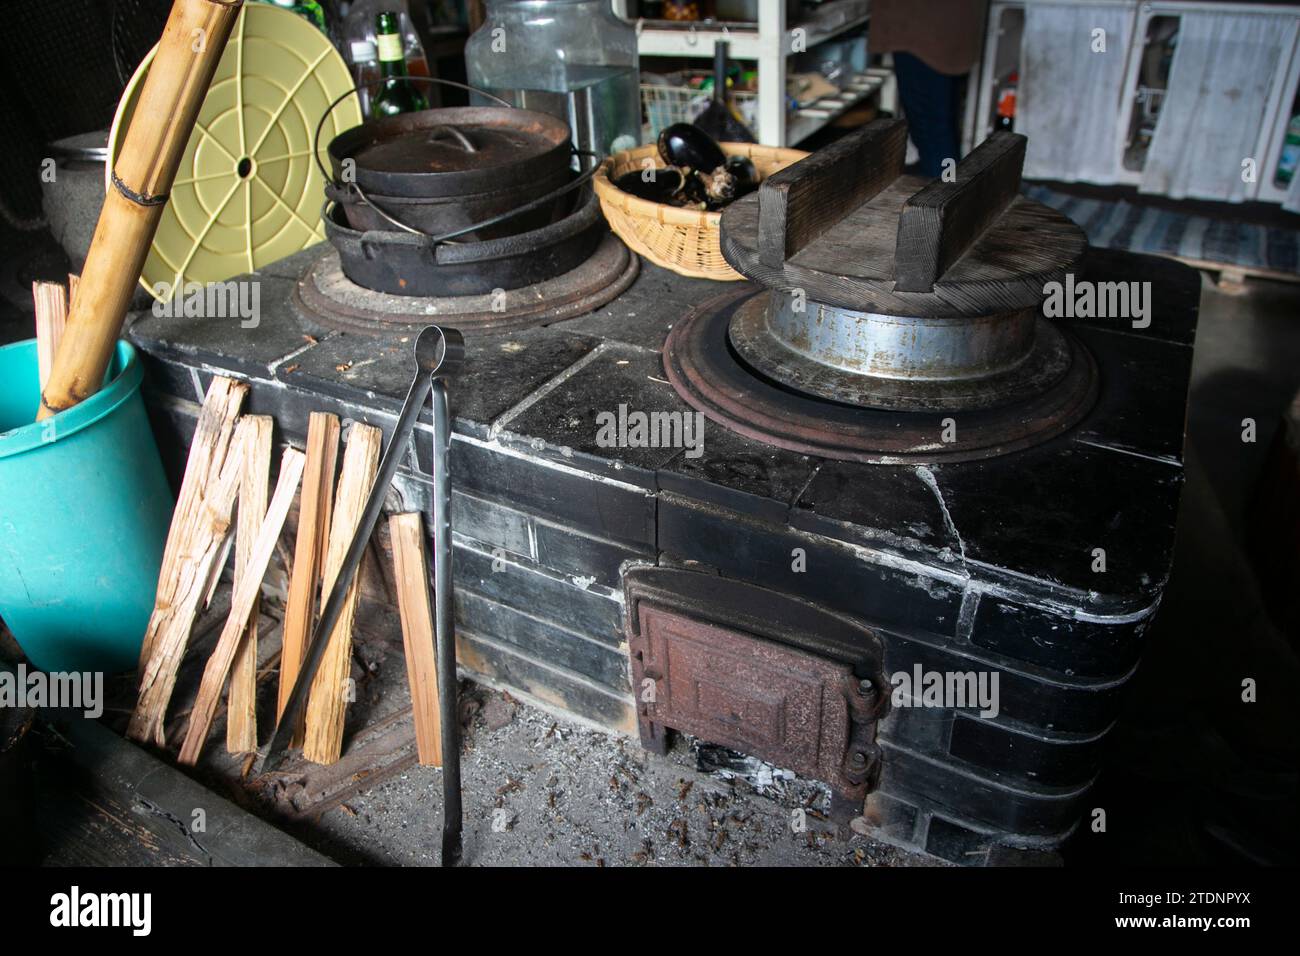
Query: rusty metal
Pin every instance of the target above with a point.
(757, 671)
(701, 365)
(326, 300)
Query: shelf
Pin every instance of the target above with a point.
(803, 122)
(826, 23)
(769, 43)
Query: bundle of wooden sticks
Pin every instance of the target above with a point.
(227, 474)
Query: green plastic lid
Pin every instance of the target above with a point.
(247, 192)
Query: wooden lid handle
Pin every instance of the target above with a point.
(802, 201)
(942, 221)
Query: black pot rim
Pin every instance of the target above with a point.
(458, 183)
(345, 197)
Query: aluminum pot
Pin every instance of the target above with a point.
(439, 170)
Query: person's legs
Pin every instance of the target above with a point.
(929, 99)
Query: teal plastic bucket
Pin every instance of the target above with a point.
(84, 511)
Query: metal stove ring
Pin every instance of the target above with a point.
(703, 368)
(899, 362)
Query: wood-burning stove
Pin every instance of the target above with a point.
(775, 595)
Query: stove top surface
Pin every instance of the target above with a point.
(1032, 518)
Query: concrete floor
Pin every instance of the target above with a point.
(541, 791)
(1194, 774)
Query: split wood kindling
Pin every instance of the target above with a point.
(314, 510)
(228, 467)
(241, 605)
(412, 571)
(51, 316)
(200, 526)
(328, 700)
(241, 712)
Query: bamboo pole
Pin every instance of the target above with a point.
(187, 57)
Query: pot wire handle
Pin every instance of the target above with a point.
(580, 180)
(315, 139)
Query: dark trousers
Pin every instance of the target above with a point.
(929, 99)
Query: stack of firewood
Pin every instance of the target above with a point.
(228, 473)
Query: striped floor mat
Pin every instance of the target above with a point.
(1118, 224)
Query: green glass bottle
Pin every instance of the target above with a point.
(398, 94)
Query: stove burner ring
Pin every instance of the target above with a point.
(327, 300)
(899, 362)
(703, 367)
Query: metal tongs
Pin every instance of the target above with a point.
(439, 354)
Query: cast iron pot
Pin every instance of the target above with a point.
(439, 170)
(403, 263)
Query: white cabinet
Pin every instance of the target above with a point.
(1151, 53)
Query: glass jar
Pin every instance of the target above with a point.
(571, 58)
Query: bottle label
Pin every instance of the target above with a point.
(390, 47)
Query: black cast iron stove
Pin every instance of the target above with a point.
(908, 475)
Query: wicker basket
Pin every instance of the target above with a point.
(683, 240)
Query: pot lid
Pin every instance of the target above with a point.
(452, 148)
(452, 151)
(247, 192)
(850, 230)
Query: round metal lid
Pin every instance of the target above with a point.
(450, 149)
(454, 151)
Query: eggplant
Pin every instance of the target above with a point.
(662, 187)
(744, 173)
(682, 144)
